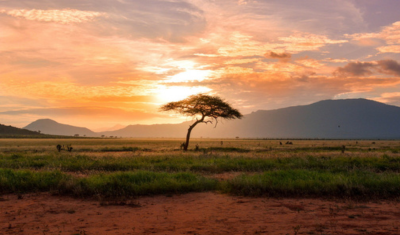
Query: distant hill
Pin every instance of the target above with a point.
(113, 128)
(48, 126)
(329, 119)
(156, 130)
(336, 119)
(14, 131)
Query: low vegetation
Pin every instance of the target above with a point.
(118, 184)
(250, 168)
(311, 183)
(200, 163)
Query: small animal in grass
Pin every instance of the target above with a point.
(59, 147)
(69, 148)
(182, 146)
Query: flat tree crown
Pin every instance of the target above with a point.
(206, 106)
(203, 105)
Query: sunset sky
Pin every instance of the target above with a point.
(97, 63)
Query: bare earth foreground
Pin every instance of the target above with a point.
(195, 213)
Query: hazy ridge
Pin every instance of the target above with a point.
(51, 127)
(11, 131)
(337, 119)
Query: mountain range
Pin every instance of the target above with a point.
(113, 128)
(10, 131)
(51, 127)
(328, 119)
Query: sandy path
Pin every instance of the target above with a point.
(195, 213)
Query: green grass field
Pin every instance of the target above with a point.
(111, 168)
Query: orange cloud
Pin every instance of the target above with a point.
(239, 44)
(241, 61)
(67, 93)
(389, 98)
(307, 42)
(389, 49)
(390, 34)
(310, 63)
(336, 60)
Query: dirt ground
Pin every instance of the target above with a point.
(195, 213)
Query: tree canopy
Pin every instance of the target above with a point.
(205, 108)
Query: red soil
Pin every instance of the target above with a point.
(195, 213)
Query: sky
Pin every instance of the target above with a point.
(98, 63)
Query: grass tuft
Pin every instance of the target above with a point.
(119, 184)
(201, 163)
(304, 183)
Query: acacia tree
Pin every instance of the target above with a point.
(204, 108)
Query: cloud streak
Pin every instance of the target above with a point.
(59, 16)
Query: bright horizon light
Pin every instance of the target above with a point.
(189, 76)
(167, 94)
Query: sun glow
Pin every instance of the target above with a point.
(189, 71)
(190, 75)
(175, 93)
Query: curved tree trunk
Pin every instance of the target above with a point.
(188, 133)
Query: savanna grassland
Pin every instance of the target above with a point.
(228, 186)
(133, 167)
